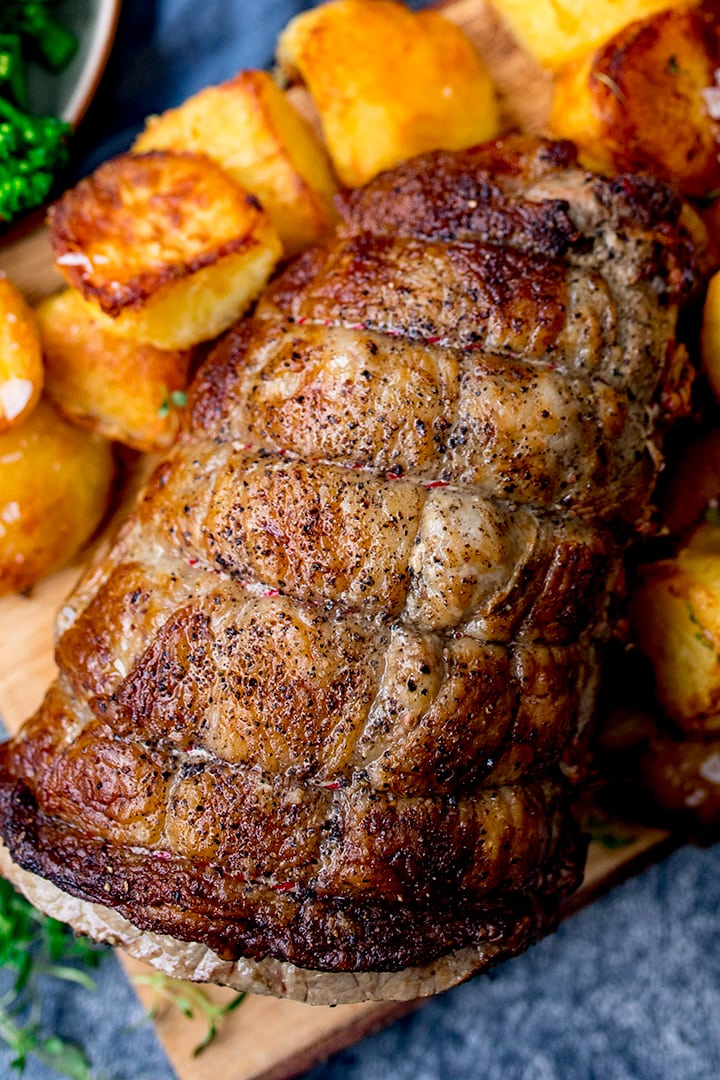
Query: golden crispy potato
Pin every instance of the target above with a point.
(166, 245)
(21, 369)
(388, 83)
(554, 31)
(638, 101)
(103, 382)
(55, 485)
(248, 126)
(675, 612)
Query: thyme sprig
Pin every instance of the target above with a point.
(33, 946)
(191, 1000)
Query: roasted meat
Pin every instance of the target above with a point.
(319, 712)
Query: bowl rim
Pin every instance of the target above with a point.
(101, 44)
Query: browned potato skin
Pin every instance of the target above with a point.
(21, 368)
(710, 335)
(675, 613)
(166, 244)
(637, 101)
(107, 384)
(388, 83)
(248, 127)
(55, 485)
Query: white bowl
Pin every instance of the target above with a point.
(68, 94)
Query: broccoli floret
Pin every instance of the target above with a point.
(12, 70)
(33, 149)
(44, 39)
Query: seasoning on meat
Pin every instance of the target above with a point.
(317, 709)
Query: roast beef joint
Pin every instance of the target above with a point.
(318, 723)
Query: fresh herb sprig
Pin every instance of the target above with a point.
(33, 945)
(191, 1000)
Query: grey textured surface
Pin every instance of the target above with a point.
(628, 989)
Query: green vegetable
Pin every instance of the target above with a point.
(43, 38)
(33, 149)
(33, 945)
(12, 70)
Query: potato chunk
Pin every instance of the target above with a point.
(675, 611)
(55, 485)
(553, 31)
(710, 335)
(683, 778)
(165, 244)
(248, 126)
(387, 83)
(21, 369)
(120, 389)
(638, 101)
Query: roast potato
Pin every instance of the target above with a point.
(683, 778)
(710, 335)
(638, 101)
(387, 83)
(675, 614)
(553, 31)
(21, 369)
(248, 126)
(122, 390)
(164, 244)
(55, 485)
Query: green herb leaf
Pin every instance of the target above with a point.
(32, 944)
(191, 1000)
(176, 399)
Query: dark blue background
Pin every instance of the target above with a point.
(629, 989)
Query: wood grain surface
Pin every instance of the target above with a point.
(266, 1039)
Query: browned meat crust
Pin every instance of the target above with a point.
(193, 903)
(316, 703)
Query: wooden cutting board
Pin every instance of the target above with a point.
(266, 1039)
